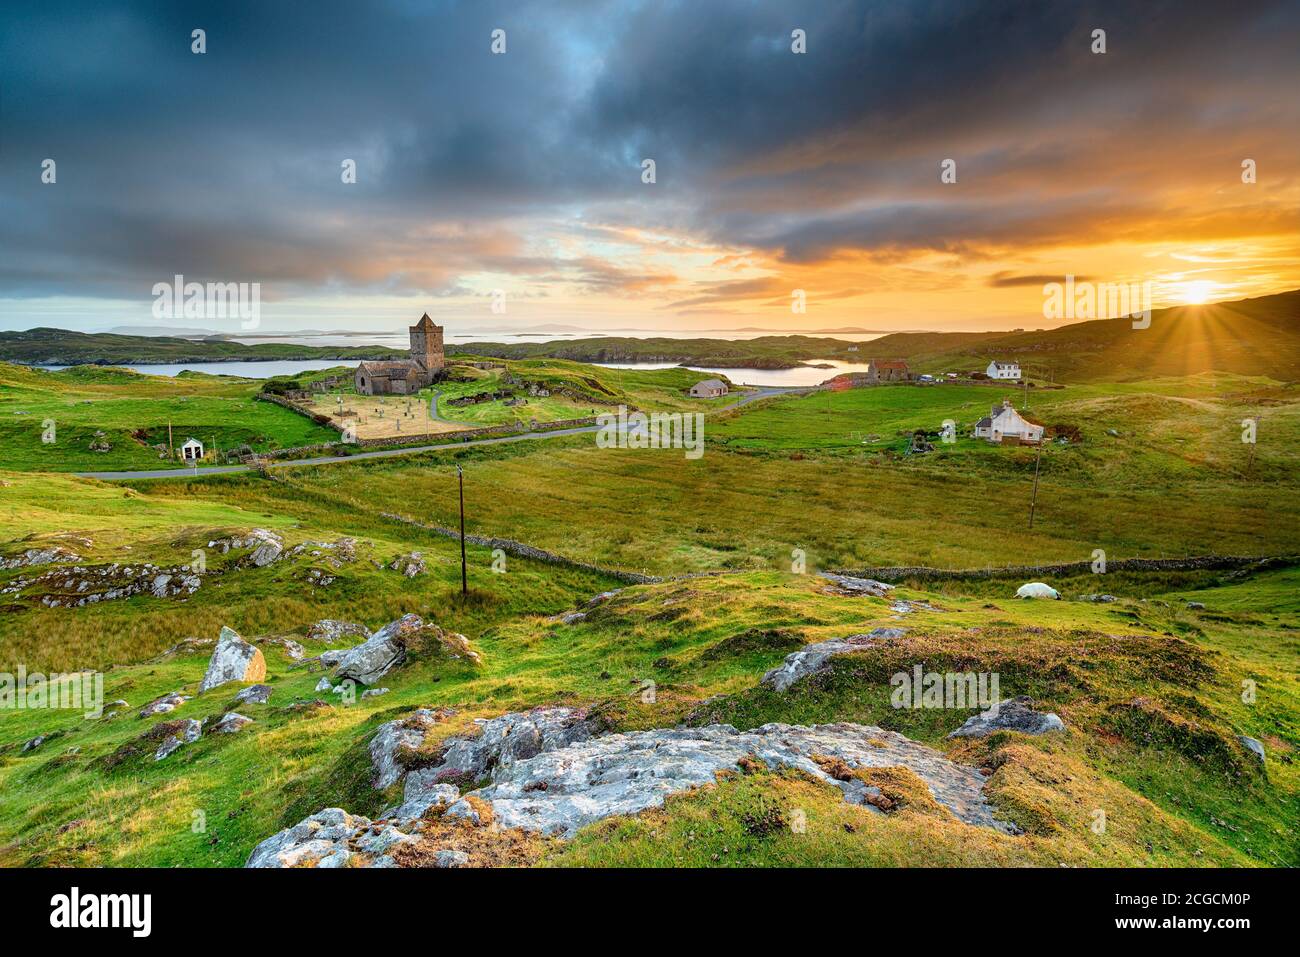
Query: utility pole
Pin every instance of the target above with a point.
(1033, 501)
(171, 449)
(464, 584)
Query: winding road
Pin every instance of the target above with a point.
(763, 392)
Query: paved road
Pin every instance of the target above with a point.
(762, 393)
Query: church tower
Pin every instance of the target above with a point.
(426, 344)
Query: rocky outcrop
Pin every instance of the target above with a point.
(266, 547)
(847, 585)
(233, 660)
(231, 722)
(187, 732)
(254, 694)
(331, 658)
(396, 739)
(549, 775)
(514, 737)
(331, 632)
(409, 565)
(1018, 714)
(50, 555)
(320, 838)
(422, 791)
(557, 792)
(390, 646)
(76, 586)
(814, 658)
(334, 554)
(501, 740)
(168, 702)
(385, 650)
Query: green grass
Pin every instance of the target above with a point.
(132, 413)
(657, 512)
(1163, 799)
(1151, 690)
(578, 390)
(1169, 431)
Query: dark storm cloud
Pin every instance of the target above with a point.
(226, 165)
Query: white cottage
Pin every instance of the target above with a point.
(1003, 370)
(709, 389)
(1004, 422)
(192, 450)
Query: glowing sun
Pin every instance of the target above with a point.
(1198, 291)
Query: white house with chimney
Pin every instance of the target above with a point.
(1004, 422)
(1003, 370)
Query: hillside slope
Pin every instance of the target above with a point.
(1257, 337)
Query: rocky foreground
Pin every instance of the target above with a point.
(549, 771)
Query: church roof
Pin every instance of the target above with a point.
(390, 368)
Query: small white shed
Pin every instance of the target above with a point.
(192, 450)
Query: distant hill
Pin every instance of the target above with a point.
(178, 331)
(1249, 337)
(45, 346)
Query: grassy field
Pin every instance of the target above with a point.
(1196, 803)
(131, 413)
(1150, 688)
(1173, 482)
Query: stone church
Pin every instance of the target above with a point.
(406, 376)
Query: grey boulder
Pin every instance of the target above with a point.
(254, 694)
(814, 658)
(1255, 747)
(849, 585)
(234, 659)
(231, 722)
(1018, 714)
(422, 791)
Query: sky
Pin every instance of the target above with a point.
(515, 180)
